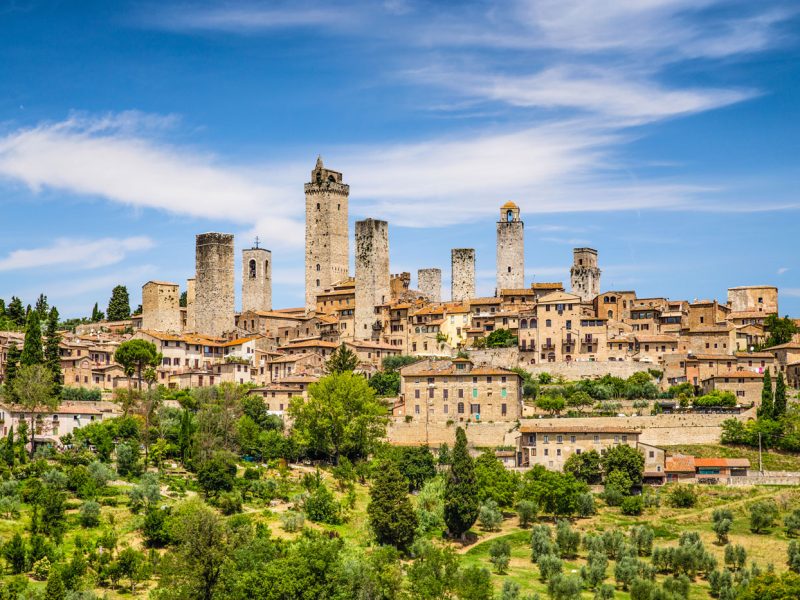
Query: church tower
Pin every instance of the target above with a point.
(585, 275)
(510, 249)
(327, 231)
(256, 279)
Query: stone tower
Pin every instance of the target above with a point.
(372, 274)
(190, 325)
(214, 284)
(585, 275)
(510, 249)
(327, 231)
(256, 279)
(462, 284)
(161, 306)
(429, 282)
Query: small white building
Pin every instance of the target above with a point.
(51, 425)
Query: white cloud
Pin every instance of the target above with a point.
(77, 254)
(782, 270)
(792, 292)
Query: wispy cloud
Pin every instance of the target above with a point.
(75, 254)
(782, 270)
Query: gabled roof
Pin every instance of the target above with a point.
(679, 463)
(722, 462)
(560, 297)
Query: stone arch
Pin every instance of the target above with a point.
(252, 268)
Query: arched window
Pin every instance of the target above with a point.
(252, 268)
(317, 205)
(266, 267)
(317, 282)
(548, 323)
(510, 216)
(523, 324)
(461, 408)
(610, 314)
(509, 269)
(317, 267)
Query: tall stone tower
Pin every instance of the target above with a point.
(510, 249)
(327, 231)
(372, 273)
(161, 306)
(429, 282)
(190, 321)
(214, 284)
(462, 284)
(585, 275)
(256, 279)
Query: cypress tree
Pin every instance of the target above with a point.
(461, 490)
(55, 586)
(119, 306)
(8, 449)
(2, 308)
(52, 356)
(12, 365)
(32, 353)
(779, 406)
(15, 312)
(767, 408)
(96, 314)
(42, 307)
(391, 515)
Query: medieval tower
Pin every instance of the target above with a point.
(510, 249)
(429, 282)
(161, 306)
(190, 326)
(214, 284)
(372, 274)
(585, 275)
(327, 231)
(462, 284)
(256, 279)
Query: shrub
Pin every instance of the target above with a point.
(541, 542)
(642, 540)
(763, 515)
(594, 571)
(41, 569)
(584, 504)
(292, 521)
(230, 502)
(565, 587)
(89, 514)
(321, 507)
(489, 516)
(500, 555)
(792, 522)
(682, 496)
(567, 540)
(549, 566)
(526, 511)
(632, 506)
(604, 592)
(721, 522)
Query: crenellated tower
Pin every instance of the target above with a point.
(510, 249)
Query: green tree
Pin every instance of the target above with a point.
(495, 482)
(32, 352)
(585, 466)
(721, 523)
(54, 590)
(580, 400)
(626, 459)
(762, 515)
(385, 383)
(135, 356)
(119, 306)
(555, 493)
(217, 473)
(52, 355)
(770, 586)
(12, 368)
(432, 575)
(390, 513)
(489, 516)
(500, 555)
(33, 389)
(342, 360)
(461, 491)
(550, 403)
(766, 409)
(342, 416)
(501, 338)
(417, 465)
(15, 551)
(780, 330)
(779, 404)
(791, 522)
(16, 312)
(474, 583)
(526, 512)
(97, 314)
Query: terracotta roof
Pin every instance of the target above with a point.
(551, 285)
(560, 297)
(787, 346)
(311, 344)
(516, 292)
(370, 344)
(655, 338)
(477, 301)
(679, 464)
(293, 357)
(162, 283)
(722, 462)
(509, 204)
(65, 408)
(568, 428)
(737, 374)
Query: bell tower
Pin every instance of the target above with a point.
(510, 249)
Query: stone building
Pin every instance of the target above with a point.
(429, 282)
(463, 274)
(256, 279)
(372, 274)
(510, 249)
(551, 444)
(161, 306)
(190, 293)
(327, 231)
(585, 275)
(214, 284)
(745, 385)
(754, 298)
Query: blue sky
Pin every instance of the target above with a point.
(664, 133)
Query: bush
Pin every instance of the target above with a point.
(763, 515)
(292, 521)
(721, 523)
(230, 502)
(642, 540)
(541, 542)
(321, 507)
(489, 516)
(567, 540)
(549, 566)
(41, 569)
(89, 514)
(682, 496)
(500, 555)
(632, 506)
(565, 587)
(526, 511)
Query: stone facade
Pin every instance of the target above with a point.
(327, 231)
(256, 280)
(190, 319)
(462, 285)
(510, 249)
(161, 306)
(372, 274)
(754, 298)
(429, 282)
(585, 275)
(551, 444)
(214, 284)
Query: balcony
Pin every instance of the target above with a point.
(548, 346)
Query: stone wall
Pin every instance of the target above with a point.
(484, 435)
(372, 273)
(584, 275)
(161, 306)
(327, 232)
(190, 296)
(576, 370)
(256, 279)
(510, 255)
(429, 282)
(214, 284)
(463, 274)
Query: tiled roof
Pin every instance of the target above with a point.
(722, 462)
(737, 374)
(562, 427)
(679, 464)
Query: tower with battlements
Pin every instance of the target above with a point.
(327, 231)
(510, 249)
(429, 282)
(585, 274)
(373, 286)
(161, 306)
(462, 284)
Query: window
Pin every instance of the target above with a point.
(461, 408)
(446, 407)
(503, 410)
(559, 439)
(572, 439)
(416, 393)
(416, 408)
(546, 452)
(475, 409)
(652, 454)
(545, 439)
(445, 393)
(252, 268)
(503, 393)
(460, 393)
(558, 451)
(548, 322)
(596, 439)
(474, 392)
